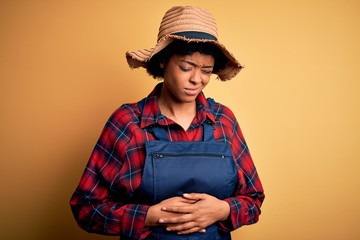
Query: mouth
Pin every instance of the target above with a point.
(191, 91)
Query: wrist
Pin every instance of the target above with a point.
(151, 220)
(224, 210)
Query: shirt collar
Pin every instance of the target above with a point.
(151, 113)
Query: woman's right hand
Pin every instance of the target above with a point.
(155, 212)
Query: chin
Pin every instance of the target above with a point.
(189, 99)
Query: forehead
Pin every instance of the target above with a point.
(196, 58)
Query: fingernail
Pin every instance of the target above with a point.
(168, 229)
(186, 194)
(203, 230)
(163, 208)
(161, 220)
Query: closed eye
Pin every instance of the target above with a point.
(207, 72)
(184, 69)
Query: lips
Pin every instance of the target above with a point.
(191, 91)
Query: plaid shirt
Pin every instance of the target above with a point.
(102, 202)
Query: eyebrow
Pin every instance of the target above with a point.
(195, 65)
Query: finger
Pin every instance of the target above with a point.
(194, 196)
(176, 220)
(183, 228)
(188, 200)
(182, 209)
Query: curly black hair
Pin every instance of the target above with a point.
(179, 47)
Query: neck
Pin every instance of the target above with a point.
(175, 109)
(180, 112)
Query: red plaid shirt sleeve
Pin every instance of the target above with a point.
(249, 195)
(97, 203)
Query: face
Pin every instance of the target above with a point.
(186, 76)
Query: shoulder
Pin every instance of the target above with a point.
(124, 115)
(222, 113)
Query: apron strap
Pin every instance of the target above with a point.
(160, 132)
(208, 131)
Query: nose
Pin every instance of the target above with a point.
(195, 76)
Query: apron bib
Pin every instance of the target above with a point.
(174, 168)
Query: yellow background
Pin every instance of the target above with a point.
(63, 72)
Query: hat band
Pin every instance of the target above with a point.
(195, 35)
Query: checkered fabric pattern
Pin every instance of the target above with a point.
(103, 201)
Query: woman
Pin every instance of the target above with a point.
(174, 165)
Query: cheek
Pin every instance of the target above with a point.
(172, 74)
(178, 77)
(206, 80)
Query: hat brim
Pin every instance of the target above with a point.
(140, 58)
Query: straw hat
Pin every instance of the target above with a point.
(187, 24)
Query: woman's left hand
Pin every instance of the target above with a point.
(205, 211)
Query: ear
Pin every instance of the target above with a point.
(162, 65)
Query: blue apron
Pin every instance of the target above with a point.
(174, 168)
